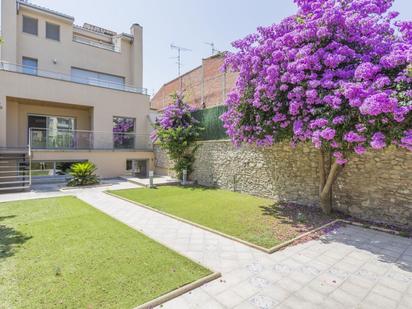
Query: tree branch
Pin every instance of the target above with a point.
(335, 168)
(322, 172)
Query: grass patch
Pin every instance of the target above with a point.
(256, 220)
(61, 252)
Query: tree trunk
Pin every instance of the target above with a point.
(327, 177)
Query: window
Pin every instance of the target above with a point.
(52, 168)
(137, 168)
(98, 79)
(123, 132)
(50, 132)
(30, 25)
(52, 31)
(29, 66)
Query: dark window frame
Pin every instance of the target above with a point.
(58, 32)
(32, 70)
(26, 30)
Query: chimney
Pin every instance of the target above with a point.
(137, 55)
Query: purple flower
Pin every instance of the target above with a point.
(328, 133)
(359, 149)
(378, 141)
(366, 71)
(352, 137)
(338, 120)
(298, 127)
(377, 104)
(318, 123)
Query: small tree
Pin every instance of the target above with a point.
(176, 130)
(337, 74)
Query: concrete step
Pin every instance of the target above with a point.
(13, 176)
(18, 188)
(22, 182)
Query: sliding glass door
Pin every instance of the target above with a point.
(51, 132)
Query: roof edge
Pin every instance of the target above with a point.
(45, 10)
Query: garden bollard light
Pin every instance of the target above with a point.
(184, 181)
(151, 175)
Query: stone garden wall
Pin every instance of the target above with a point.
(376, 186)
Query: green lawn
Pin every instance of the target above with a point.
(256, 220)
(63, 253)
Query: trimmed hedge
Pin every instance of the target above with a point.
(209, 120)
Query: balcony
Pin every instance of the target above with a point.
(28, 70)
(71, 140)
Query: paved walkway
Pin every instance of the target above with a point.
(351, 267)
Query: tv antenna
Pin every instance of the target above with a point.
(179, 57)
(212, 45)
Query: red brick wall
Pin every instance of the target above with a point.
(213, 81)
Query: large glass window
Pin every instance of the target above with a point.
(52, 31)
(123, 132)
(30, 25)
(97, 78)
(51, 168)
(29, 66)
(48, 132)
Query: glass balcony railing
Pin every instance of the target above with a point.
(51, 139)
(5, 66)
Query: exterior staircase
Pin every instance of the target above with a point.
(14, 171)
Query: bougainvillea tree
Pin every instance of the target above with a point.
(337, 74)
(176, 130)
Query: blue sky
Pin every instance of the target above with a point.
(187, 23)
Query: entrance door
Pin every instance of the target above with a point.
(141, 168)
(38, 126)
(137, 168)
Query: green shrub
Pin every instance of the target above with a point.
(83, 174)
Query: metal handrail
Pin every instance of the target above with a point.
(43, 138)
(28, 70)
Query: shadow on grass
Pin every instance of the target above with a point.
(10, 239)
(303, 217)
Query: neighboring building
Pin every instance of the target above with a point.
(69, 94)
(204, 86)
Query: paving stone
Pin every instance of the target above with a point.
(229, 298)
(245, 289)
(387, 292)
(290, 284)
(353, 289)
(322, 287)
(345, 298)
(380, 301)
(263, 301)
(295, 302)
(310, 295)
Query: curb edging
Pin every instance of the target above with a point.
(179, 291)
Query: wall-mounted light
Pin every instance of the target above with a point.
(54, 61)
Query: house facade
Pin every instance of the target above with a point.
(205, 86)
(69, 93)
